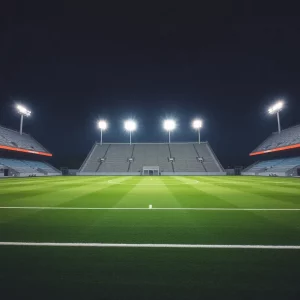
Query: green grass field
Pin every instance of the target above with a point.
(222, 216)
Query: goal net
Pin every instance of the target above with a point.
(150, 171)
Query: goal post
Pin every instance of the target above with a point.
(150, 171)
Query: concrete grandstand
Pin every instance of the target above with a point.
(286, 139)
(275, 167)
(12, 142)
(279, 141)
(169, 159)
(24, 168)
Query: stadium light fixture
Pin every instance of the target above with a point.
(23, 111)
(130, 126)
(197, 125)
(276, 109)
(102, 124)
(169, 125)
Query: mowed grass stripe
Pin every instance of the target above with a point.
(109, 196)
(55, 195)
(200, 195)
(149, 191)
(246, 195)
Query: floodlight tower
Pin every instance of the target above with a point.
(197, 125)
(130, 126)
(276, 109)
(102, 124)
(169, 125)
(23, 112)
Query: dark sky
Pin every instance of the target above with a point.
(225, 62)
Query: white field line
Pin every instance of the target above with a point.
(121, 245)
(147, 208)
(193, 182)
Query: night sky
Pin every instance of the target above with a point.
(224, 62)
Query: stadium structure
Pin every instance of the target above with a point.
(148, 237)
(13, 143)
(277, 143)
(151, 159)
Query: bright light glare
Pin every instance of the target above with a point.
(276, 107)
(102, 124)
(169, 125)
(23, 111)
(130, 125)
(197, 124)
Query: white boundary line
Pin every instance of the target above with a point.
(121, 245)
(147, 208)
(193, 182)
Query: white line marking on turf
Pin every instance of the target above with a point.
(156, 184)
(154, 208)
(121, 245)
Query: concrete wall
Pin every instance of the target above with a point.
(162, 173)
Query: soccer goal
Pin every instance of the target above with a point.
(150, 171)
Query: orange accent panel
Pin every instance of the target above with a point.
(24, 150)
(276, 149)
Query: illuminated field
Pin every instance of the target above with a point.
(202, 237)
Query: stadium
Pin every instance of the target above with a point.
(150, 220)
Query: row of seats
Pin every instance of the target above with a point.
(107, 158)
(273, 166)
(29, 167)
(151, 155)
(14, 139)
(287, 137)
(209, 159)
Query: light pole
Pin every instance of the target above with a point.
(169, 125)
(130, 126)
(197, 125)
(102, 124)
(276, 109)
(23, 112)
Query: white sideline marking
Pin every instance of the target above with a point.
(192, 182)
(154, 208)
(121, 245)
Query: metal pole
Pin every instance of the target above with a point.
(199, 135)
(21, 124)
(278, 121)
(169, 137)
(130, 137)
(101, 135)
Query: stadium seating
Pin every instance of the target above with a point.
(116, 159)
(14, 139)
(42, 167)
(93, 160)
(151, 155)
(262, 166)
(210, 162)
(186, 158)
(280, 167)
(170, 158)
(284, 166)
(27, 168)
(285, 139)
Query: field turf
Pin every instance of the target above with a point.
(245, 232)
